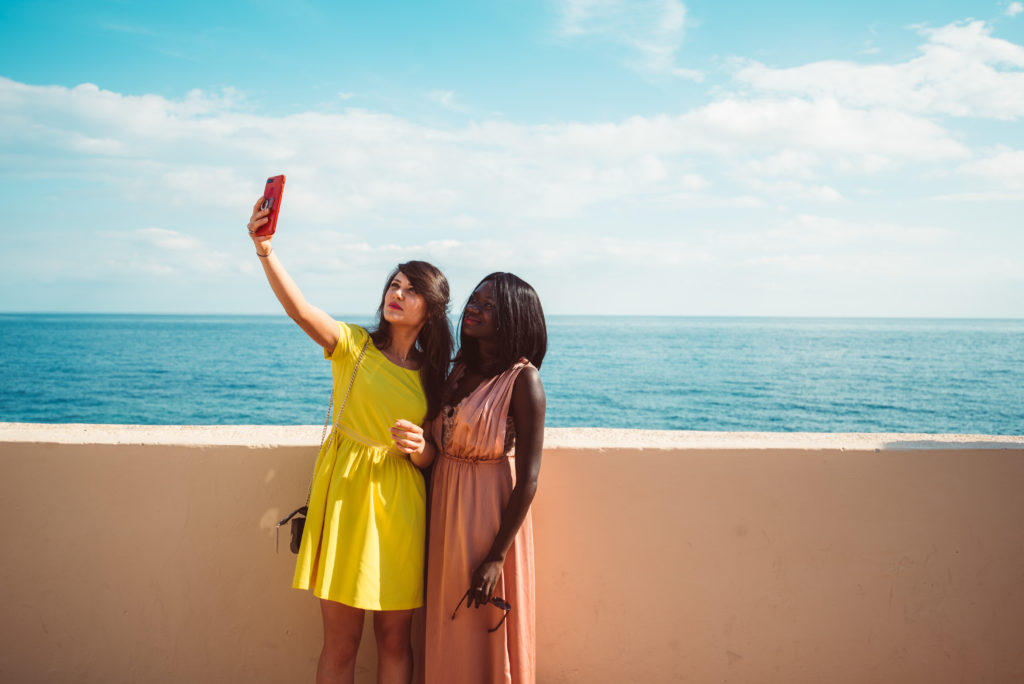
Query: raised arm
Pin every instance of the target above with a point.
(528, 407)
(315, 322)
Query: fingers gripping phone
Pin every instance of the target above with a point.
(272, 201)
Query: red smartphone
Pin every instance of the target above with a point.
(272, 201)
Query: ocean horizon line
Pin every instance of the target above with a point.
(350, 316)
(761, 374)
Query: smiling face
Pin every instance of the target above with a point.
(402, 304)
(480, 317)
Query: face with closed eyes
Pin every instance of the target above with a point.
(403, 305)
(480, 317)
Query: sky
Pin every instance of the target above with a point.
(651, 157)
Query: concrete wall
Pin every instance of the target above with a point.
(145, 554)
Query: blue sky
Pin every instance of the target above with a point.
(646, 157)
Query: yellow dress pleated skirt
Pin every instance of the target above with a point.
(363, 543)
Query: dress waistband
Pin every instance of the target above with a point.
(362, 439)
(476, 461)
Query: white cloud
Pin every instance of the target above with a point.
(626, 200)
(155, 253)
(1001, 174)
(828, 238)
(827, 231)
(651, 30)
(362, 166)
(1014, 8)
(981, 196)
(962, 71)
(805, 132)
(793, 189)
(446, 98)
(163, 238)
(1004, 167)
(564, 251)
(786, 163)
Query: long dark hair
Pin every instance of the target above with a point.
(434, 341)
(521, 330)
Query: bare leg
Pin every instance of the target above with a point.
(343, 627)
(391, 629)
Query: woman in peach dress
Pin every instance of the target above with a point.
(480, 619)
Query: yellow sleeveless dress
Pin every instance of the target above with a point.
(363, 542)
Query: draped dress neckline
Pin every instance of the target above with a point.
(503, 436)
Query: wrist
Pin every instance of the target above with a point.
(264, 255)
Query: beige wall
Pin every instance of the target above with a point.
(146, 555)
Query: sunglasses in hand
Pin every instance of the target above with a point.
(495, 601)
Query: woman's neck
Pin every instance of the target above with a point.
(486, 355)
(403, 341)
(487, 348)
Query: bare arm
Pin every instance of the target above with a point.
(528, 407)
(315, 322)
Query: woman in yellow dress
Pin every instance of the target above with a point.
(363, 544)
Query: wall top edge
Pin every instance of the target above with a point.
(554, 438)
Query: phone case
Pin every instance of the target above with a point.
(272, 200)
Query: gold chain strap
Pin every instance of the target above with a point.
(309, 492)
(341, 409)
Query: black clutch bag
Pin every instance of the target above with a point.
(298, 520)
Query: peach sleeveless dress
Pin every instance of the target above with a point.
(471, 483)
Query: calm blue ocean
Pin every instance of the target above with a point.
(761, 374)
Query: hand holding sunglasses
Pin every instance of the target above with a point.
(495, 601)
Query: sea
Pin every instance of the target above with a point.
(665, 373)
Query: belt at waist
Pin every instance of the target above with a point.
(362, 439)
(490, 461)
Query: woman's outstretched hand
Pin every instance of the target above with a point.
(256, 221)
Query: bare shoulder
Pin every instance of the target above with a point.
(528, 387)
(529, 408)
